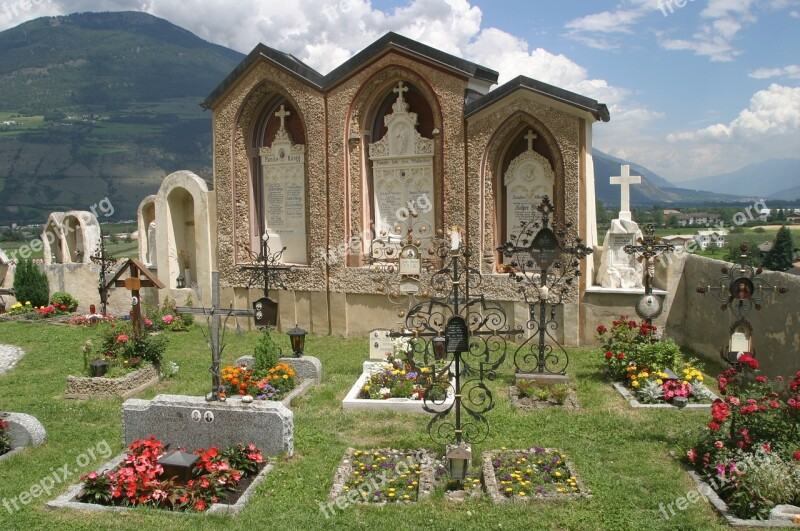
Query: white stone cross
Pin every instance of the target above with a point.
(399, 90)
(530, 137)
(625, 180)
(282, 114)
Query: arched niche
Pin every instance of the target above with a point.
(183, 232)
(278, 181)
(147, 230)
(522, 164)
(81, 236)
(396, 119)
(53, 239)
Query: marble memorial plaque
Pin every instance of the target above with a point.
(380, 344)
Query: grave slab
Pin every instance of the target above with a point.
(306, 367)
(192, 422)
(24, 430)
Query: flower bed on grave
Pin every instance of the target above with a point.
(5, 437)
(653, 370)
(396, 385)
(383, 476)
(536, 473)
(749, 452)
(121, 362)
(528, 394)
(218, 480)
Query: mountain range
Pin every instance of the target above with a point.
(96, 105)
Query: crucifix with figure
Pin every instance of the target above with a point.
(649, 247)
(625, 180)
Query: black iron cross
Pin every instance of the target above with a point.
(540, 248)
(267, 267)
(213, 318)
(107, 263)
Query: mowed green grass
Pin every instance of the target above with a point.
(622, 454)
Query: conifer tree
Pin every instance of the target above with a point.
(781, 256)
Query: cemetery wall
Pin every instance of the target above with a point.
(696, 320)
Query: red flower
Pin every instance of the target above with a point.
(609, 355)
(761, 379)
(602, 329)
(713, 426)
(796, 455)
(620, 356)
(747, 359)
(200, 505)
(631, 324)
(122, 338)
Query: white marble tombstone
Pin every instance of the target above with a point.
(402, 168)
(619, 269)
(283, 166)
(528, 179)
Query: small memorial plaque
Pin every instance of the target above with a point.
(133, 283)
(457, 334)
(410, 262)
(266, 312)
(380, 344)
(409, 285)
(618, 255)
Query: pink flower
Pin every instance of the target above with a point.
(122, 338)
(692, 454)
(718, 444)
(168, 319)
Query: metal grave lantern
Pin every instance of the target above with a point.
(265, 311)
(297, 337)
(178, 465)
(458, 458)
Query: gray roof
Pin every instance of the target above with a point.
(323, 83)
(598, 110)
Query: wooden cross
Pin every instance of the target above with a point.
(399, 90)
(625, 180)
(530, 137)
(133, 284)
(213, 315)
(282, 114)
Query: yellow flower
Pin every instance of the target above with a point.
(700, 378)
(635, 383)
(522, 494)
(558, 474)
(406, 497)
(659, 381)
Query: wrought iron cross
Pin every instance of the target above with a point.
(107, 262)
(546, 271)
(267, 266)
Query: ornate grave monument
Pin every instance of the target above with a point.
(617, 268)
(649, 306)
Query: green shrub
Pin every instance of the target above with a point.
(62, 298)
(266, 354)
(30, 284)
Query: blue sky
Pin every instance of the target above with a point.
(695, 87)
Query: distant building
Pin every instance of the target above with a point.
(668, 213)
(678, 240)
(697, 218)
(710, 238)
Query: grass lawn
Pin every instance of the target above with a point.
(620, 453)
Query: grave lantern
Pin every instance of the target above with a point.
(178, 465)
(98, 367)
(439, 347)
(458, 458)
(180, 282)
(297, 336)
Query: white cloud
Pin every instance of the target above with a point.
(791, 71)
(773, 111)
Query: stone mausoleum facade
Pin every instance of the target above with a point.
(324, 163)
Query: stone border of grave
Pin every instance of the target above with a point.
(68, 499)
(493, 489)
(125, 387)
(633, 402)
(523, 404)
(25, 430)
(400, 405)
(308, 370)
(427, 477)
(705, 490)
